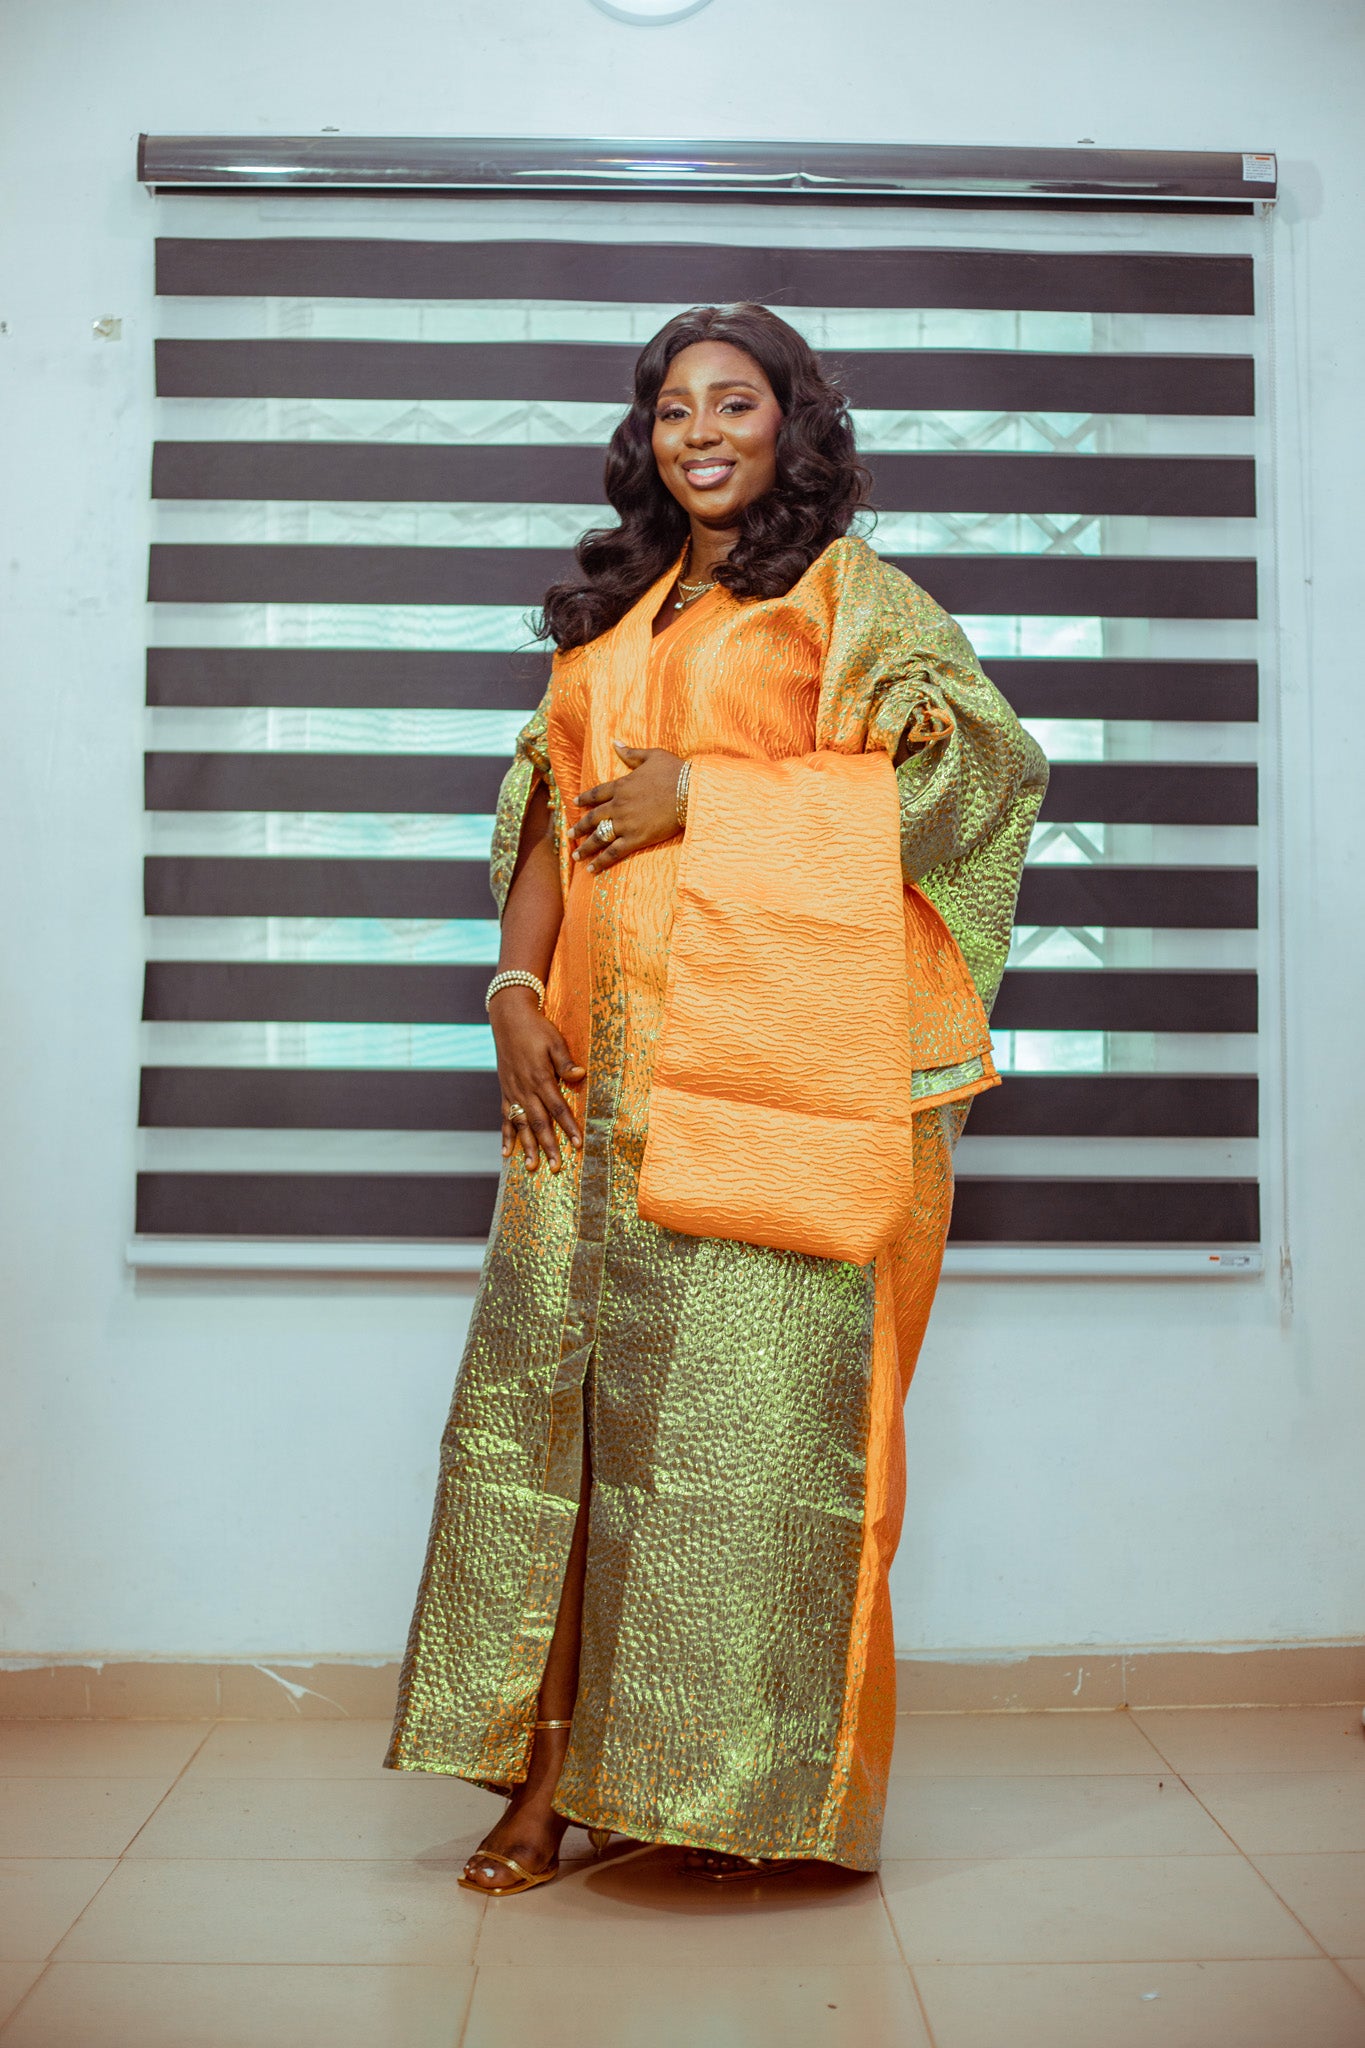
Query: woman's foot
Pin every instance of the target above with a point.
(530, 1831)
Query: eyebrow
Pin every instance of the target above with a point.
(721, 384)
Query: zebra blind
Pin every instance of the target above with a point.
(376, 449)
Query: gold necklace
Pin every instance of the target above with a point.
(691, 591)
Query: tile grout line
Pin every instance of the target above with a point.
(113, 1862)
(1246, 1858)
(8, 2021)
(476, 1969)
(1340, 1967)
(1129, 1962)
(1236, 1847)
(915, 1991)
(1318, 1945)
(1181, 1779)
(468, 2012)
(1322, 1955)
(1151, 1741)
(116, 1863)
(1224, 1831)
(208, 1732)
(458, 2041)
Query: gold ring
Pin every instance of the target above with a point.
(515, 1113)
(606, 832)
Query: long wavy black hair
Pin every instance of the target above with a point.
(820, 482)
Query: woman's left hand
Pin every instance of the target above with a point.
(642, 806)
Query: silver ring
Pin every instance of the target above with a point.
(515, 1113)
(605, 832)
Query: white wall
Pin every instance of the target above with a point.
(215, 1468)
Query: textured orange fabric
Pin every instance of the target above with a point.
(805, 985)
(780, 1107)
(907, 1279)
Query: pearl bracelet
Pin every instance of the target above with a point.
(516, 977)
(684, 777)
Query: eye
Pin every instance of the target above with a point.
(737, 405)
(669, 412)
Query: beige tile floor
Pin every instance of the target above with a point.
(1173, 1879)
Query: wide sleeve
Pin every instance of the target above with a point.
(786, 1032)
(899, 668)
(531, 763)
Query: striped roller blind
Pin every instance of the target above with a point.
(375, 450)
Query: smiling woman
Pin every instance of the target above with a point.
(757, 861)
(716, 424)
(745, 455)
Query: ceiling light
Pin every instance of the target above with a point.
(650, 13)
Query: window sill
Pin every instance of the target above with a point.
(460, 1256)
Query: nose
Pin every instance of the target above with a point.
(703, 432)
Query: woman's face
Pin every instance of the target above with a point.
(715, 432)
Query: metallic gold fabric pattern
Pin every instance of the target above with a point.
(948, 1084)
(532, 764)
(742, 1404)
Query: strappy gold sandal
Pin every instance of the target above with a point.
(526, 1880)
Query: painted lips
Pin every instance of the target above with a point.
(704, 476)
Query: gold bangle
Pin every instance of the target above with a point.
(684, 778)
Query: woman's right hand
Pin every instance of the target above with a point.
(533, 1060)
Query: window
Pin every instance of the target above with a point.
(381, 429)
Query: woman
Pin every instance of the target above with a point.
(655, 1594)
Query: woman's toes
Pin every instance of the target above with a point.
(534, 1854)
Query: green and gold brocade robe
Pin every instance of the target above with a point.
(743, 1405)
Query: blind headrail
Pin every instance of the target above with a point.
(1149, 178)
